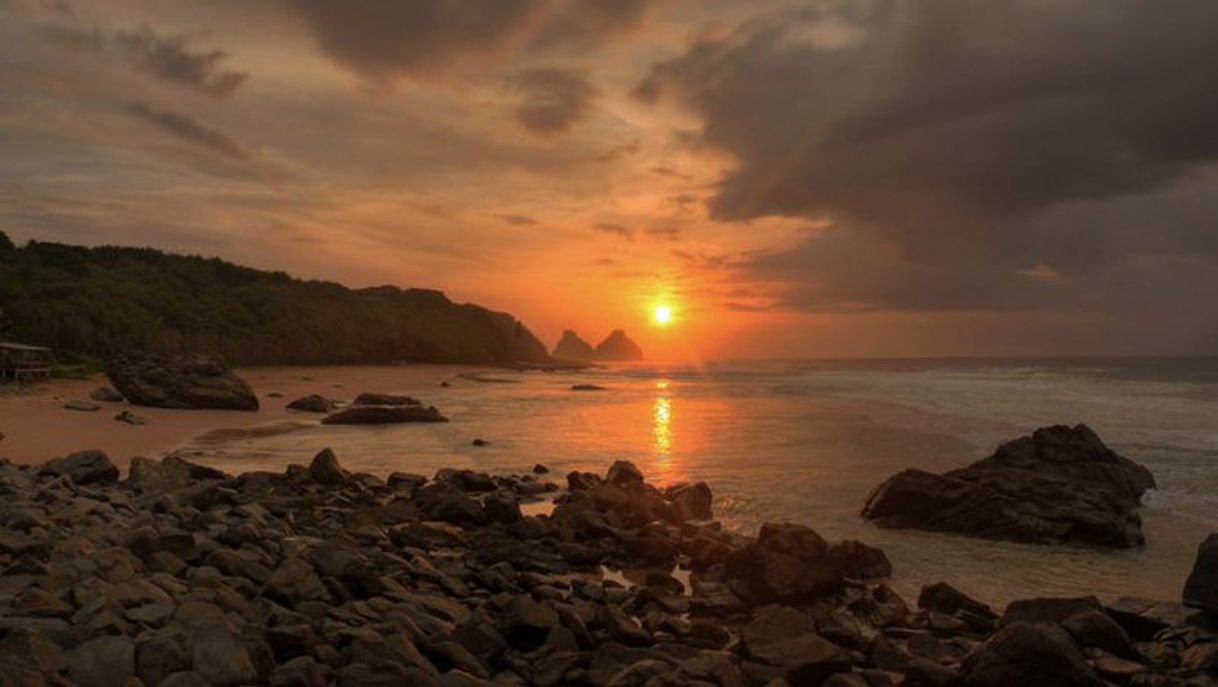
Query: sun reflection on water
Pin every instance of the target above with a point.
(661, 428)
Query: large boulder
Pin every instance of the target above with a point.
(186, 382)
(1058, 485)
(791, 563)
(383, 415)
(1201, 589)
(1023, 653)
(84, 467)
(314, 403)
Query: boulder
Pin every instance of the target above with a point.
(691, 501)
(1201, 589)
(105, 394)
(325, 469)
(784, 637)
(792, 562)
(186, 382)
(945, 598)
(107, 661)
(623, 472)
(369, 399)
(315, 403)
(1022, 653)
(526, 622)
(381, 415)
(1058, 485)
(82, 406)
(83, 467)
(220, 657)
(130, 418)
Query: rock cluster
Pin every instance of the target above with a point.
(185, 382)
(1059, 485)
(182, 576)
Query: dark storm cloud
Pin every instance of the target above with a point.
(191, 130)
(957, 146)
(384, 40)
(554, 99)
(170, 58)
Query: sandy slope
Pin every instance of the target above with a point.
(37, 427)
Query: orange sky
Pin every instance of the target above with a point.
(576, 162)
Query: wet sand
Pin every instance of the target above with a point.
(37, 427)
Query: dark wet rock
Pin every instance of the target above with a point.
(1048, 609)
(526, 622)
(945, 598)
(588, 387)
(1201, 588)
(1091, 628)
(792, 562)
(105, 394)
(445, 503)
(130, 418)
(466, 480)
(302, 671)
(220, 657)
(784, 637)
(618, 346)
(148, 475)
(480, 442)
(691, 501)
(540, 469)
(373, 399)
(84, 467)
(185, 678)
(106, 661)
(315, 403)
(923, 672)
(381, 415)
(1024, 653)
(572, 347)
(186, 382)
(623, 473)
(1142, 619)
(1060, 484)
(325, 469)
(406, 480)
(81, 406)
(582, 481)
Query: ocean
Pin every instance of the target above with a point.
(806, 442)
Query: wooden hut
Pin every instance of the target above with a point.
(21, 361)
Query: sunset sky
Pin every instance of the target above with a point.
(817, 178)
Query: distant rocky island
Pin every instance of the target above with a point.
(98, 303)
(616, 347)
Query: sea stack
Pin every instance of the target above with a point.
(571, 347)
(618, 346)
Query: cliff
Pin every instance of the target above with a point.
(99, 302)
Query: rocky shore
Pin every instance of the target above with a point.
(180, 575)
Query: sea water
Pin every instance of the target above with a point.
(807, 441)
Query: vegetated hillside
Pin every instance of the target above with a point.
(99, 302)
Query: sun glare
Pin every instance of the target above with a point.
(662, 315)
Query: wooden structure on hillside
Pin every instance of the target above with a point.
(20, 361)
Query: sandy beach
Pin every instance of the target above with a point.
(36, 426)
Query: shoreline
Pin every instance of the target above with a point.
(37, 428)
(316, 576)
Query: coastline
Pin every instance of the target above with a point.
(37, 427)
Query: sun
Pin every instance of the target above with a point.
(661, 315)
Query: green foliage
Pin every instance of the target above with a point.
(96, 303)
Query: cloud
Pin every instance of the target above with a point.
(412, 38)
(190, 130)
(168, 58)
(952, 154)
(615, 229)
(554, 99)
(517, 220)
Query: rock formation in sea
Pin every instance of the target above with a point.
(184, 381)
(183, 575)
(1059, 485)
(571, 347)
(618, 346)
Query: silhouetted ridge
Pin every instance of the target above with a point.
(618, 346)
(571, 347)
(109, 300)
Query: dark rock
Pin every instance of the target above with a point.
(526, 623)
(1141, 619)
(582, 481)
(325, 469)
(783, 637)
(381, 415)
(220, 657)
(1048, 609)
(82, 406)
(159, 656)
(540, 469)
(691, 501)
(1060, 484)
(106, 661)
(130, 418)
(587, 387)
(312, 404)
(923, 672)
(367, 399)
(189, 381)
(1201, 589)
(1095, 629)
(445, 503)
(480, 442)
(105, 394)
(571, 347)
(623, 473)
(790, 563)
(502, 511)
(858, 561)
(1023, 653)
(84, 467)
(302, 671)
(618, 346)
(945, 598)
